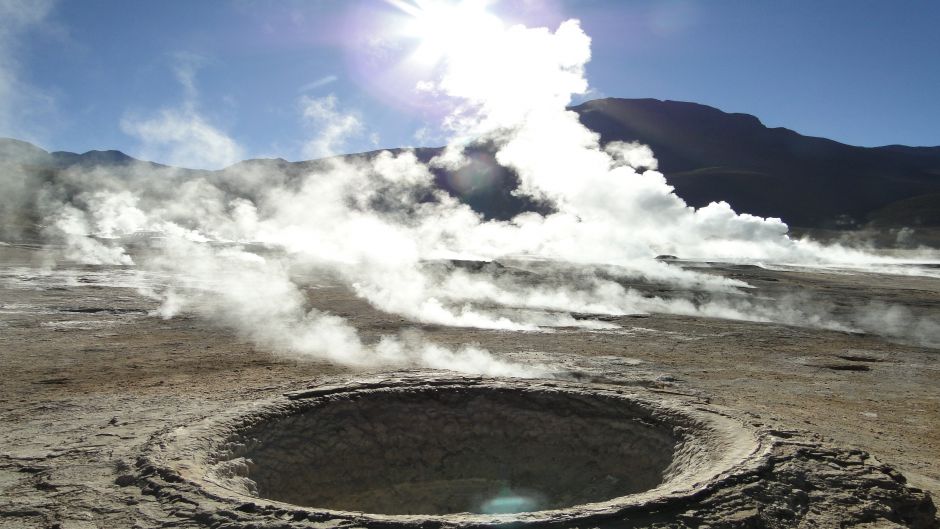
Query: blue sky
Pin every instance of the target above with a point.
(88, 74)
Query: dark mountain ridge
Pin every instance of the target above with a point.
(711, 155)
(707, 154)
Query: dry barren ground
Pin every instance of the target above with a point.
(89, 375)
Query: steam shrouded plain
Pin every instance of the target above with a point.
(92, 374)
(139, 298)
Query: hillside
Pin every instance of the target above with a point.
(711, 155)
(707, 154)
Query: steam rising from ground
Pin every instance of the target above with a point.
(257, 296)
(236, 241)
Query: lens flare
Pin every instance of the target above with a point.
(510, 502)
(475, 177)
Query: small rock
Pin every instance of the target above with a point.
(125, 480)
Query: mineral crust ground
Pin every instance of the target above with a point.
(94, 387)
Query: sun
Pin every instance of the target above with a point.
(446, 28)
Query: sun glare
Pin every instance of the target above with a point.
(444, 28)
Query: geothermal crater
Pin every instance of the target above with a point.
(461, 450)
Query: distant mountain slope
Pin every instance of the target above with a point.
(711, 155)
(707, 154)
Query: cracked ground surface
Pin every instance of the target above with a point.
(90, 376)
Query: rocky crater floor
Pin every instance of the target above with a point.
(115, 417)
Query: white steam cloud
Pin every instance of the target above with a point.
(181, 135)
(257, 297)
(333, 127)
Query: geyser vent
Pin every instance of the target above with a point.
(459, 451)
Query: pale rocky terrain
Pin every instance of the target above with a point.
(91, 377)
